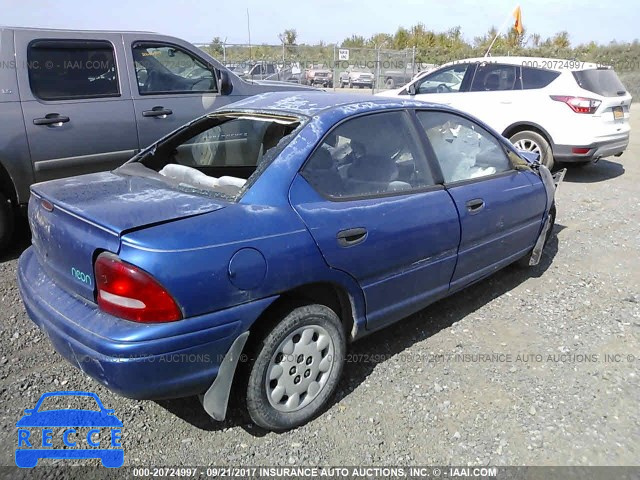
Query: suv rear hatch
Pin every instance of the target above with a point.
(615, 99)
(74, 219)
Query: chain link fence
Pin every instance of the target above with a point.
(327, 66)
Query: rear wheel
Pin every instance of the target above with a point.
(296, 368)
(7, 222)
(531, 141)
(390, 84)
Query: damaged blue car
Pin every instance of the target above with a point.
(250, 246)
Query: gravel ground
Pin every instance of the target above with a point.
(427, 391)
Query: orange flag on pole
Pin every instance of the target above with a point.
(517, 14)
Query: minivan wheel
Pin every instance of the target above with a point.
(7, 222)
(296, 368)
(530, 141)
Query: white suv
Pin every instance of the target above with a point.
(566, 110)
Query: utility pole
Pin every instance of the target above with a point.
(249, 32)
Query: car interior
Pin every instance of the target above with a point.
(222, 152)
(368, 156)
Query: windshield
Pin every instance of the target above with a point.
(220, 152)
(604, 82)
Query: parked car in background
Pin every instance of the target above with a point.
(258, 70)
(86, 101)
(356, 76)
(564, 110)
(289, 201)
(318, 75)
(288, 74)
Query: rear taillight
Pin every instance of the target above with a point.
(578, 104)
(130, 293)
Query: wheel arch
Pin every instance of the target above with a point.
(7, 187)
(523, 126)
(329, 294)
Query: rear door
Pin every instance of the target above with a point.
(500, 208)
(171, 85)
(495, 95)
(369, 199)
(76, 102)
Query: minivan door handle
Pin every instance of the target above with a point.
(351, 236)
(51, 119)
(160, 112)
(474, 206)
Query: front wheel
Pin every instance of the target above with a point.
(296, 368)
(533, 142)
(7, 222)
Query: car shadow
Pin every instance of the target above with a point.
(20, 242)
(384, 344)
(594, 172)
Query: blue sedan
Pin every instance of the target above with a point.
(253, 244)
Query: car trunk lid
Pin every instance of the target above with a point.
(73, 219)
(616, 100)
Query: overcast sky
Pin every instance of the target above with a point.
(327, 20)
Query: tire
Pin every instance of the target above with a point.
(7, 222)
(531, 141)
(350, 84)
(524, 261)
(390, 84)
(305, 375)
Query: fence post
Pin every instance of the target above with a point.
(334, 67)
(413, 61)
(374, 85)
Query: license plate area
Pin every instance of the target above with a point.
(618, 113)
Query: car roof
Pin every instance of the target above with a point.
(43, 29)
(315, 103)
(536, 62)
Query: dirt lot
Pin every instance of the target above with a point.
(429, 390)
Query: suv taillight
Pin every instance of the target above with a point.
(130, 293)
(578, 104)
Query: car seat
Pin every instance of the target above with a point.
(323, 174)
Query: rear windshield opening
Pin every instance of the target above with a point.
(220, 152)
(602, 81)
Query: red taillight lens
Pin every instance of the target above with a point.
(127, 292)
(578, 104)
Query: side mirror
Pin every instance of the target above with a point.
(411, 89)
(29, 411)
(226, 86)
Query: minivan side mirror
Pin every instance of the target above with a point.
(411, 89)
(226, 86)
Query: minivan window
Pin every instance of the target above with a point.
(602, 81)
(169, 69)
(537, 77)
(491, 77)
(72, 69)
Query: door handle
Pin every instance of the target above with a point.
(51, 119)
(157, 112)
(351, 236)
(474, 206)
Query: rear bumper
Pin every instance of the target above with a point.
(596, 150)
(156, 361)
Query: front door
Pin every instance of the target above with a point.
(76, 103)
(369, 199)
(500, 207)
(171, 86)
